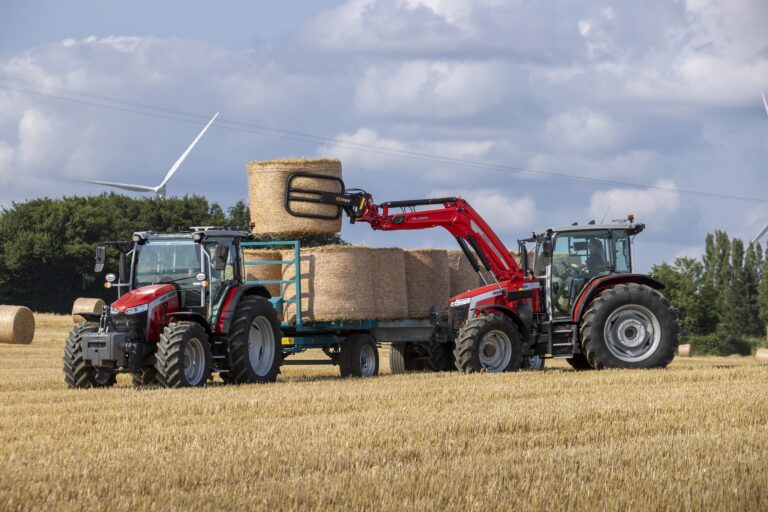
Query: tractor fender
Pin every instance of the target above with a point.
(190, 316)
(523, 317)
(232, 298)
(597, 284)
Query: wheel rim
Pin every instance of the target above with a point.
(194, 361)
(101, 377)
(536, 362)
(632, 333)
(495, 351)
(261, 346)
(367, 361)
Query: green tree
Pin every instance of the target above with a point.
(684, 283)
(752, 270)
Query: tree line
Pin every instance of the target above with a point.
(47, 245)
(721, 300)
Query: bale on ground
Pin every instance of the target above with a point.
(17, 325)
(463, 276)
(389, 284)
(336, 284)
(267, 182)
(264, 272)
(428, 280)
(85, 305)
(762, 355)
(684, 351)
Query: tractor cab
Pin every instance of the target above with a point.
(567, 259)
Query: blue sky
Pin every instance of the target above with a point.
(659, 93)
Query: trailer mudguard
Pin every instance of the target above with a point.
(232, 299)
(600, 282)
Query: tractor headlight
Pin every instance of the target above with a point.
(136, 310)
(114, 311)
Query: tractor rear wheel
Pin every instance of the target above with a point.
(359, 356)
(489, 343)
(183, 357)
(629, 326)
(579, 362)
(78, 374)
(403, 359)
(255, 342)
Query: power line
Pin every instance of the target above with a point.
(112, 103)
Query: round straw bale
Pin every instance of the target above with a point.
(463, 276)
(684, 351)
(390, 291)
(264, 272)
(17, 325)
(428, 280)
(85, 305)
(267, 182)
(336, 284)
(762, 355)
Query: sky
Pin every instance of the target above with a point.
(485, 99)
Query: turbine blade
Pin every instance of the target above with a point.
(183, 156)
(124, 186)
(765, 103)
(761, 234)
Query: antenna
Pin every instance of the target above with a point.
(159, 190)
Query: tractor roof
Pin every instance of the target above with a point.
(210, 232)
(632, 227)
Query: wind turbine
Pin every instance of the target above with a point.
(765, 228)
(160, 189)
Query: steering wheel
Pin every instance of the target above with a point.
(570, 269)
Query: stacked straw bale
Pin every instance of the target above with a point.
(264, 272)
(684, 350)
(463, 276)
(267, 182)
(85, 305)
(336, 284)
(762, 355)
(389, 284)
(428, 279)
(17, 325)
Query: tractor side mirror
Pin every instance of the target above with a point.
(220, 256)
(546, 250)
(101, 259)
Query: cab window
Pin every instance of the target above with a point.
(577, 257)
(623, 251)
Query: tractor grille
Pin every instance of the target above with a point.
(134, 326)
(459, 315)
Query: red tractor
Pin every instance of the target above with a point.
(579, 298)
(183, 311)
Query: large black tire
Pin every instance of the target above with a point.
(629, 326)
(78, 374)
(403, 359)
(490, 343)
(441, 357)
(183, 357)
(579, 362)
(255, 343)
(147, 377)
(359, 356)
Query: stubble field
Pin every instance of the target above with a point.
(691, 437)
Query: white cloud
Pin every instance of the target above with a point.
(504, 213)
(583, 130)
(650, 206)
(441, 89)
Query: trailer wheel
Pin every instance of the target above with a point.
(183, 357)
(579, 362)
(255, 342)
(489, 343)
(78, 374)
(629, 326)
(359, 356)
(403, 359)
(532, 363)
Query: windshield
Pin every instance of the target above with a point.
(166, 262)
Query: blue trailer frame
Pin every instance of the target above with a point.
(300, 335)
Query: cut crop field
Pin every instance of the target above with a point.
(690, 437)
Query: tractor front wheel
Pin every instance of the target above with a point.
(629, 326)
(359, 356)
(183, 357)
(77, 373)
(255, 343)
(489, 343)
